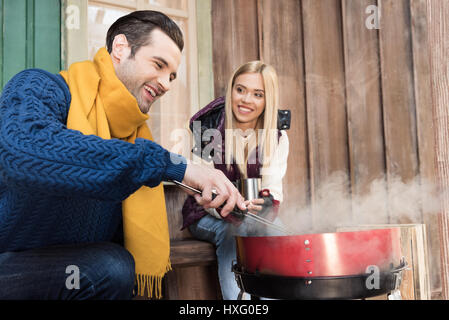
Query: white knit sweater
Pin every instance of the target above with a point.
(278, 167)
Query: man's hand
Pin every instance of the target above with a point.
(207, 179)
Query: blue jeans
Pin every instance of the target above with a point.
(221, 234)
(83, 271)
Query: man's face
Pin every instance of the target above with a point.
(150, 73)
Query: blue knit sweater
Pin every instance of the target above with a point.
(58, 186)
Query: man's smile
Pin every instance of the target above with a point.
(151, 92)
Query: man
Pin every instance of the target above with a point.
(77, 162)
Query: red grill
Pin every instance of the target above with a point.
(340, 265)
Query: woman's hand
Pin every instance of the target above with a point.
(254, 206)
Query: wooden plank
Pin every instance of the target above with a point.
(408, 280)
(191, 253)
(285, 54)
(364, 105)
(31, 24)
(222, 46)
(426, 139)
(245, 33)
(423, 272)
(47, 35)
(192, 283)
(325, 98)
(189, 283)
(438, 42)
(397, 93)
(235, 21)
(205, 66)
(174, 200)
(14, 38)
(192, 68)
(30, 36)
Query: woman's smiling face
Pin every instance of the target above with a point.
(248, 100)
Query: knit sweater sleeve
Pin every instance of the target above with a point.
(38, 151)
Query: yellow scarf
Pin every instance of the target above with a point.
(102, 106)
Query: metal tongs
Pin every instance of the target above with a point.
(240, 213)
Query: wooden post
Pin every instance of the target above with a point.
(364, 104)
(397, 96)
(235, 38)
(284, 18)
(326, 107)
(438, 31)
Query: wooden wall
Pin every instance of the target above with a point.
(360, 97)
(29, 36)
(438, 17)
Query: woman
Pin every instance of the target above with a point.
(253, 148)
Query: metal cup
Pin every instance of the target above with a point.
(249, 188)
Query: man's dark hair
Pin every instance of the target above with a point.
(137, 25)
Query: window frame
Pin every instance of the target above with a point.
(190, 16)
(74, 41)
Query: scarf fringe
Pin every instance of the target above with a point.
(152, 284)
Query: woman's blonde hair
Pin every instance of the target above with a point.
(266, 139)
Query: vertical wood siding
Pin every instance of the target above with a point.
(438, 29)
(31, 36)
(360, 97)
(235, 38)
(276, 18)
(363, 101)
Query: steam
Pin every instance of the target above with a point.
(386, 201)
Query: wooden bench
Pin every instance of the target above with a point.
(190, 252)
(194, 262)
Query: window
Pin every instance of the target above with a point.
(175, 108)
